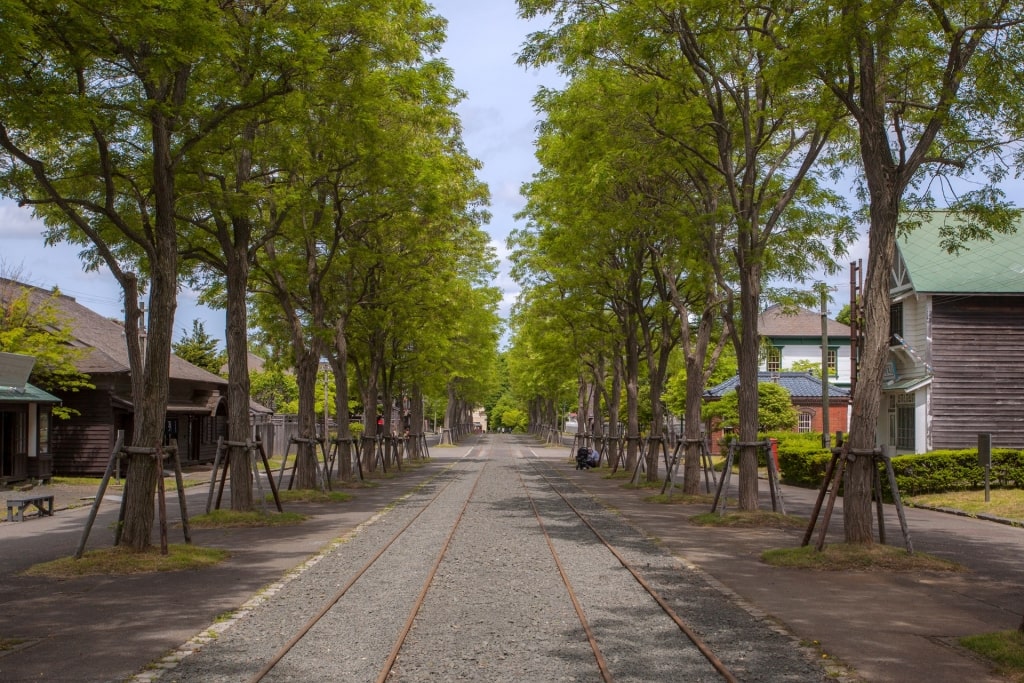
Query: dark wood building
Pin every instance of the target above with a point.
(82, 445)
(957, 329)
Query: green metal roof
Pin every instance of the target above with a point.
(26, 394)
(981, 267)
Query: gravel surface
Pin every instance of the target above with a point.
(497, 608)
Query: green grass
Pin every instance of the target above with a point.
(750, 520)
(218, 519)
(121, 560)
(1004, 648)
(1006, 503)
(844, 557)
(311, 496)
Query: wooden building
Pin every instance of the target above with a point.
(82, 445)
(957, 325)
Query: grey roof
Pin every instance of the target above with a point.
(104, 338)
(786, 321)
(798, 384)
(26, 394)
(982, 267)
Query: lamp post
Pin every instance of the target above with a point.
(826, 437)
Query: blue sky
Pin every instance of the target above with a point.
(499, 123)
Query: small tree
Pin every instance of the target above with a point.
(200, 349)
(32, 325)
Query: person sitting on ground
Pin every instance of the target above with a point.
(594, 458)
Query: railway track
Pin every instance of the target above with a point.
(497, 569)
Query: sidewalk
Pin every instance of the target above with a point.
(881, 627)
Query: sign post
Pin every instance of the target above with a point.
(985, 458)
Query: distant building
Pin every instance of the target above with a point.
(792, 335)
(805, 393)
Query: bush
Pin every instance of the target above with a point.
(956, 470)
(803, 463)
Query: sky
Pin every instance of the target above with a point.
(499, 128)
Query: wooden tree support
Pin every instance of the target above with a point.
(222, 462)
(774, 487)
(705, 460)
(446, 437)
(834, 473)
(341, 449)
(723, 483)
(641, 465)
(321, 476)
(160, 453)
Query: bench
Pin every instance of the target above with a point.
(16, 507)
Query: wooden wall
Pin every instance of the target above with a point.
(82, 445)
(978, 368)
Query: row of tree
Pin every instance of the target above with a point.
(298, 161)
(693, 159)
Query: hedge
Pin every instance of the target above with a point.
(803, 463)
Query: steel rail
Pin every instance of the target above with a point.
(698, 642)
(602, 664)
(308, 626)
(393, 655)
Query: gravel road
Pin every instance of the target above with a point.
(497, 608)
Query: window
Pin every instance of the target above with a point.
(804, 425)
(905, 427)
(833, 361)
(44, 431)
(895, 322)
(774, 363)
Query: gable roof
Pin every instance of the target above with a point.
(798, 384)
(787, 321)
(982, 267)
(104, 338)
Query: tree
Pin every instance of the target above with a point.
(932, 91)
(749, 120)
(97, 101)
(199, 349)
(275, 389)
(775, 411)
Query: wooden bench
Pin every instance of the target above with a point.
(16, 507)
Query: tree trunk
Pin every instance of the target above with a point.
(632, 380)
(747, 354)
(339, 368)
(151, 404)
(857, 515)
(237, 345)
(306, 367)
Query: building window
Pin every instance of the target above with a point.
(774, 359)
(44, 431)
(905, 427)
(833, 361)
(895, 323)
(804, 425)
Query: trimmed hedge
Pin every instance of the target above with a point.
(803, 463)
